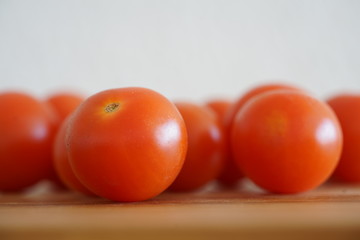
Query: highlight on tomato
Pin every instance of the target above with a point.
(206, 148)
(347, 109)
(126, 144)
(27, 129)
(286, 141)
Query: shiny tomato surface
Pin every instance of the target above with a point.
(206, 151)
(27, 128)
(232, 173)
(347, 109)
(127, 144)
(286, 141)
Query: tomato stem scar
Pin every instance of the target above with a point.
(112, 107)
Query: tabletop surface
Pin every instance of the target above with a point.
(331, 211)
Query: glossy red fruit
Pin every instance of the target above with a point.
(286, 141)
(347, 109)
(206, 150)
(127, 144)
(232, 173)
(27, 128)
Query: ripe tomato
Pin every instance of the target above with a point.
(127, 144)
(27, 128)
(205, 157)
(64, 103)
(230, 174)
(250, 94)
(62, 164)
(347, 109)
(286, 141)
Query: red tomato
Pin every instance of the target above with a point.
(127, 144)
(27, 128)
(205, 156)
(64, 103)
(347, 109)
(286, 141)
(230, 174)
(62, 164)
(250, 94)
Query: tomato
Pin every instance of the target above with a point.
(27, 128)
(127, 144)
(62, 164)
(64, 103)
(286, 141)
(230, 174)
(206, 150)
(347, 109)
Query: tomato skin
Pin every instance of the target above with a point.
(206, 150)
(286, 141)
(230, 174)
(27, 128)
(64, 103)
(250, 94)
(62, 164)
(347, 109)
(127, 144)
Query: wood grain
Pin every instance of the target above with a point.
(332, 212)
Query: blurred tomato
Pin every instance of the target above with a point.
(206, 148)
(64, 103)
(27, 128)
(286, 141)
(62, 164)
(347, 109)
(127, 144)
(230, 174)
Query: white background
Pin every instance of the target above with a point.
(191, 50)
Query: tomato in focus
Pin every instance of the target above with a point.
(286, 141)
(206, 148)
(127, 144)
(27, 128)
(62, 164)
(347, 109)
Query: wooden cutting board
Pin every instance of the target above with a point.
(329, 212)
